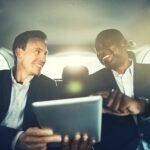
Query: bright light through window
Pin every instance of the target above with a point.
(55, 63)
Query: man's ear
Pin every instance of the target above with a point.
(124, 44)
(18, 52)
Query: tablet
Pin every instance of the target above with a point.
(70, 116)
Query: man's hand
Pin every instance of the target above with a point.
(36, 139)
(119, 104)
(78, 142)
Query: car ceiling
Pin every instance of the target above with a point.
(72, 23)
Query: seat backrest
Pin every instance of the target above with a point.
(74, 81)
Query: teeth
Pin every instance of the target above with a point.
(105, 57)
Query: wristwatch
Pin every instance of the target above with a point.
(146, 114)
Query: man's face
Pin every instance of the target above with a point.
(111, 55)
(33, 57)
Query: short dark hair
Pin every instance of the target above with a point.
(113, 36)
(22, 39)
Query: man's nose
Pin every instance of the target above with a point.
(42, 58)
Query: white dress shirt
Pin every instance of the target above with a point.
(125, 81)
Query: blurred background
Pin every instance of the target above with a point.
(72, 26)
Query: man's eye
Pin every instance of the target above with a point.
(46, 53)
(37, 51)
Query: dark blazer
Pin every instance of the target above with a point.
(121, 133)
(41, 88)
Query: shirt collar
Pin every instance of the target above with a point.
(26, 81)
(128, 71)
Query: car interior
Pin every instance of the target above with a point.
(72, 27)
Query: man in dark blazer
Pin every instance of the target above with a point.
(124, 86)
(21, 86)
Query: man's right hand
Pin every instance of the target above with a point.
(119, 104)
(36, 139)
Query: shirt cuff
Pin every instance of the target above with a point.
(16, 139)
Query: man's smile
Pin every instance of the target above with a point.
(107, 58)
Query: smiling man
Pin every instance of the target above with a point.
(124, 85)
(21, 86)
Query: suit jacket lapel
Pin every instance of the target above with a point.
(111, 80)
(136, 80)
(141, 81)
